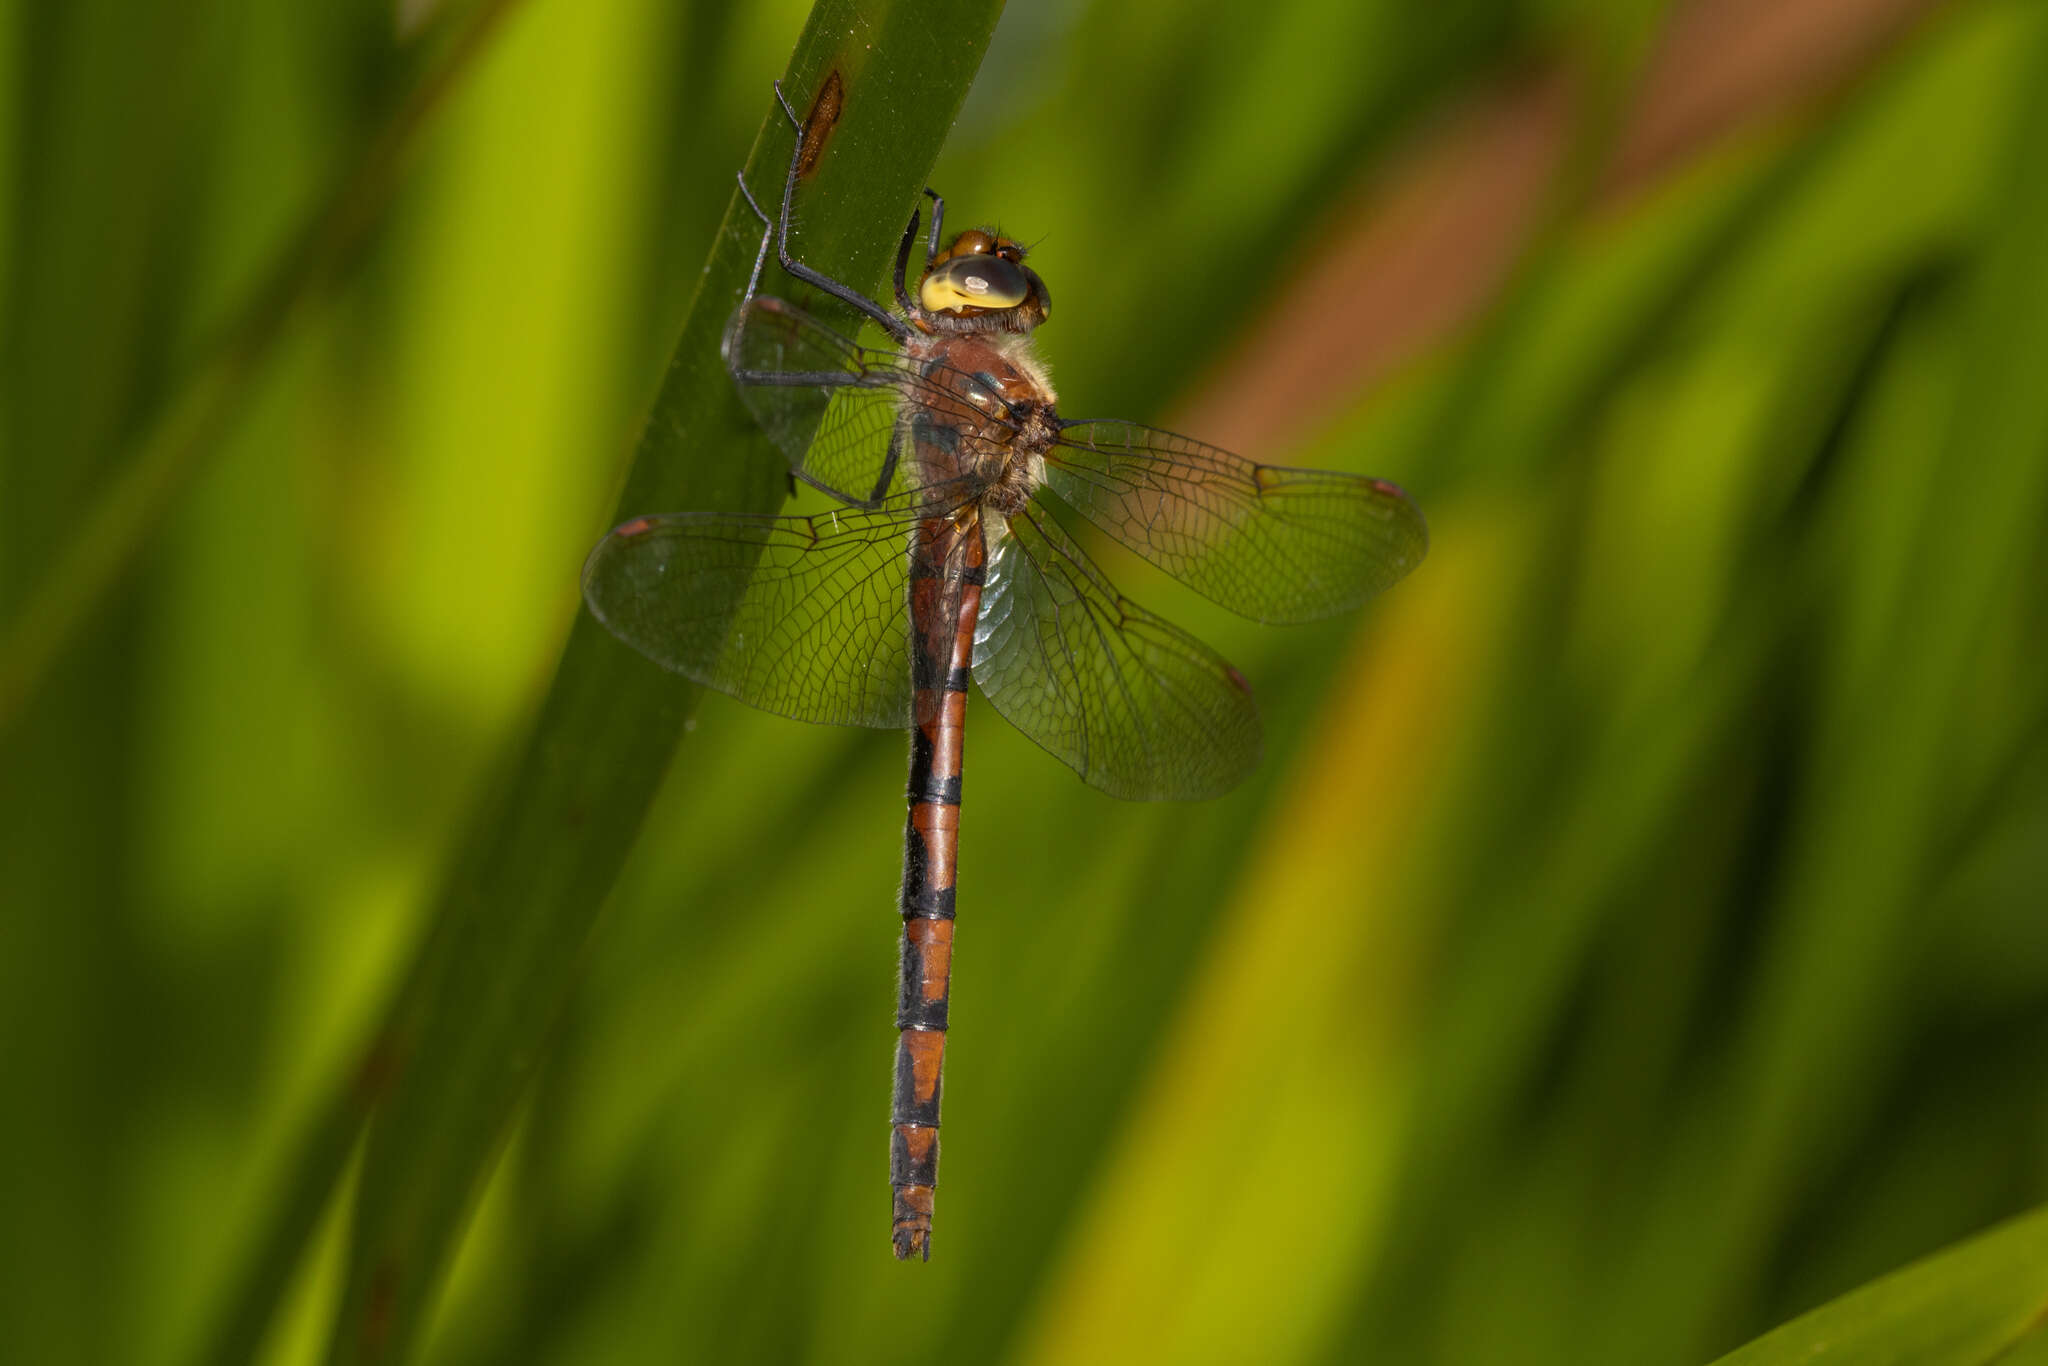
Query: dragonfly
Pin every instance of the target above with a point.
(941, 563)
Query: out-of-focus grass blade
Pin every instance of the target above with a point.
(1984, 1301)
(461, 1044)
(170, 444)
(1872, 837)
(1470, 1231)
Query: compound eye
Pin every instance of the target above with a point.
(973, 282)
(973, 242)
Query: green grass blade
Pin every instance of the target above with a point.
(171, 444)
(1981, 1302)
(501, 959)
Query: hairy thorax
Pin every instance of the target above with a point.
(1000, 425)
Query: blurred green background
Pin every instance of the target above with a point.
(1634, 937)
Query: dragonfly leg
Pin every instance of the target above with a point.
(874, 498)
(931, 246)
(788, 111)
(903, 263)
(931, 249)
(881, 482)
(846, 294)
(760, 253)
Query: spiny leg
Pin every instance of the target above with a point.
(779, 227)
(747, 193)
(761, 252)
(846, 294)
(931, 246)
(931, 249)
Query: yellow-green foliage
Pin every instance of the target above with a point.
(1633, 938)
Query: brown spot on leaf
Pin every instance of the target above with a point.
(818, 124)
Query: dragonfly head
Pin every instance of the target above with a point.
(980, 284)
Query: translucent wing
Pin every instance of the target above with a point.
(804, 616)
(834, 406)
(1136, 706)
(1270, 543)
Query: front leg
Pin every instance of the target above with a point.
(846, 294)
(931, 249)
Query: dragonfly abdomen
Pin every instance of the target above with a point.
(947, 564)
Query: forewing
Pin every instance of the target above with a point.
(1268, 542)
(834, 406)
(805, 616)
(1137, 707)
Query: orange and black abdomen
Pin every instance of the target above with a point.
(947, 563)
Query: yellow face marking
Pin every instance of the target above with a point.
(972, 282)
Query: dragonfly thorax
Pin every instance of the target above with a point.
(1002, 446)
(1023, 466)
